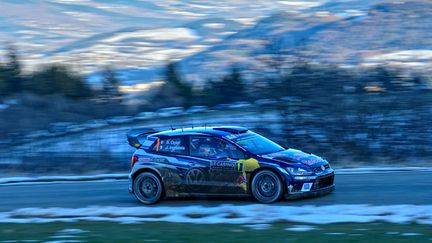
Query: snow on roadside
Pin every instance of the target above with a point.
(301, 228)
(25, 179)
(226, 213)
(380, 169)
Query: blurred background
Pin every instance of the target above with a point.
(349, 80)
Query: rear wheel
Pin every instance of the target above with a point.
(148, 188)
(267, 186)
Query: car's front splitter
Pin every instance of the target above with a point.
(314, 193)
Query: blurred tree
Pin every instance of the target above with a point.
(389, 79)
(110, 84)
(418, 82)
(173, 78)
(230, 88)
(57, 79)
(234, 89)
(12, 71)
(3, 83)
(277, 56)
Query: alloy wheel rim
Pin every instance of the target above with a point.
(266, 185)
(148, 188)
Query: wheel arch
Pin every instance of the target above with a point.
(148, 169)
(270, 168)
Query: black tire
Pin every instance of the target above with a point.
(148, 188)
(267, 187)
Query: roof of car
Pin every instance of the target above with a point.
(219, 131)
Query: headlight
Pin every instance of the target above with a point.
(298, 171)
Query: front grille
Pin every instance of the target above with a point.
(297, 187)
(324, 182)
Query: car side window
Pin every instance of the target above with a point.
(213, 148)
(173, 145)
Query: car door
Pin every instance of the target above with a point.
(173, 153)
(217, 165)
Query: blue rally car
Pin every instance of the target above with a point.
(225, 160)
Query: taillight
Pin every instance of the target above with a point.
(134, 160)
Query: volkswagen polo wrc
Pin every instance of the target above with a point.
(225, 160)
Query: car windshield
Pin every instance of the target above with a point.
(258, 144)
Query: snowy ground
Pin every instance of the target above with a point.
(227, 214)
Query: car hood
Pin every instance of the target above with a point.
(296, 156)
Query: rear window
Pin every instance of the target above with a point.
(172, 145)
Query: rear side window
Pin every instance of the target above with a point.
(212, 148)
(172, 145)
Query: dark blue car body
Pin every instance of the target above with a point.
(223, 161)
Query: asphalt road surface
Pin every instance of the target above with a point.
(374, 189)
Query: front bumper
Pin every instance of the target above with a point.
(314, 193)
(322, 185)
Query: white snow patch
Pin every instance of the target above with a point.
(38, 179)
(258, 226)
(64, 236)
(380, 169)
(63, 241)
(300, 4)
(72, 231)
(301, 228)
(214, 25)
(257, 213)
(163, 34)
(411, 234)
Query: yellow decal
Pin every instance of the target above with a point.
(244, 166)
(249, 165)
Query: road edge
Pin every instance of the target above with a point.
(124, 176)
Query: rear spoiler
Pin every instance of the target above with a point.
(134, 134)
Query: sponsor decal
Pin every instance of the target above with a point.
(153, 159)
(306, 187)
(249, 164)
(239, 166)
(244, 166)
(223, 165)
(231, 136)
(195, 177)
(310, 161)
(241, 180)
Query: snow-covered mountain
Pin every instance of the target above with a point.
(138, 37)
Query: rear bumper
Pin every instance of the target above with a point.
(130, 184)
(314, 193)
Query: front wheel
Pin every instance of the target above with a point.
(267, 186)
(148, 188)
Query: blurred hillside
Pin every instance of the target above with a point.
(139, 37)
(348, 80)
(390, 33)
